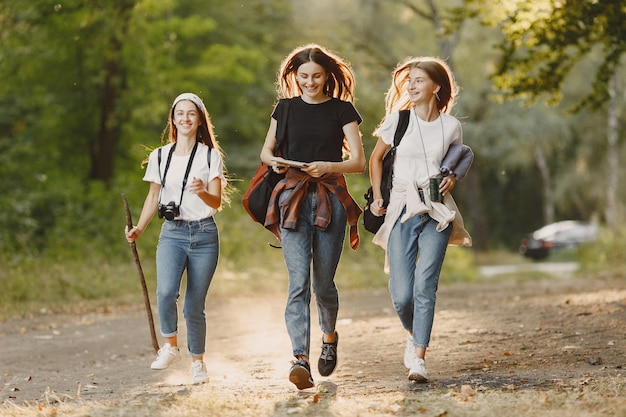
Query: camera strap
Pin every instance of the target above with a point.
(167, 166)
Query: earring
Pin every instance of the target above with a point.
(437, 95)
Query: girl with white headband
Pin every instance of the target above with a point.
(187, 186)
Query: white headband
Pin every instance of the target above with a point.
(191, 97)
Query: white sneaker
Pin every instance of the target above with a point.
(418, 371)
(409, 352)
(198, 372)
(167, 355)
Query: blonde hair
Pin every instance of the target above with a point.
(397, 97)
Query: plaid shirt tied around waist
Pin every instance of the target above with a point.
(298, 182)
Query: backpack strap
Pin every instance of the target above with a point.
(403, 124)
(167, 164)
(159, 164)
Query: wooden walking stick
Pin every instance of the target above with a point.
(146, 297)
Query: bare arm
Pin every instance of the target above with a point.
(376, 173)
(267, 152)
(211, 195)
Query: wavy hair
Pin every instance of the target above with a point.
(397, 97)
(340, 83)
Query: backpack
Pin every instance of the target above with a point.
(256, 199)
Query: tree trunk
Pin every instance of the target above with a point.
(548, 194)
(611, 210)
(115, 81)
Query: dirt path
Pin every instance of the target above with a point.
(517, 335)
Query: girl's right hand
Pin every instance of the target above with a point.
(132, 234)
(280, 169)
(377, 208)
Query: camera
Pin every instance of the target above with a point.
(435, 194)
(169, 210)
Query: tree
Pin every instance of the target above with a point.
(106, 65)
(544, 39)
(80, 68)
(542, 43)
(89, 85)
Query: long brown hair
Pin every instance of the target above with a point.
(340, 83)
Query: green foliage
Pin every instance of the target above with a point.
(606, 255)
(544, 40)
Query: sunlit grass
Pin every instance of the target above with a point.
(44, 285)
(498, 257)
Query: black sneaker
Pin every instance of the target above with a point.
(328, 358)
(300, 374)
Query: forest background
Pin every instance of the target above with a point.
(87, 84)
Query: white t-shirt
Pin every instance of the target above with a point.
(192, 208)
(412, 164)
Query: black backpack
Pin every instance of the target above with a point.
(371, 222)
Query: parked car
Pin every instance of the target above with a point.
(555, 236)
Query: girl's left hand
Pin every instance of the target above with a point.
(317, 168)
(197, 186)
(447, 184)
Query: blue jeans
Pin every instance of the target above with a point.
(413, 286)
(307, 247)
(191, 245)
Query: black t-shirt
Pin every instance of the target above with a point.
(315, 131)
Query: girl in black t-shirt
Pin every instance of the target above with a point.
(311, 206)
